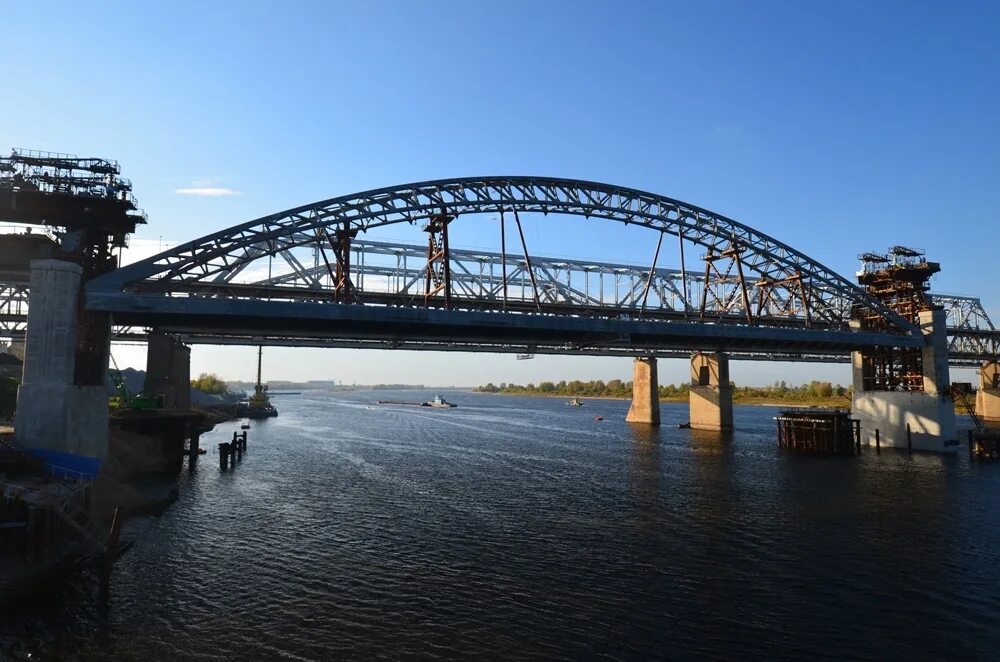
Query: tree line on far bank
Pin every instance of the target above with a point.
(616, 388)
(210, 383)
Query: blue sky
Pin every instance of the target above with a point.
(836, 127)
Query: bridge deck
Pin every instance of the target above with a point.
(196, 316)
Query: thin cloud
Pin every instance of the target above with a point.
(208, 191)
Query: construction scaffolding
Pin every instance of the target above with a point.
(75, 196)
(900, 279)
(88, 207)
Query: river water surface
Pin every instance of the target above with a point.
(521, 528)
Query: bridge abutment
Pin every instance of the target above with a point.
(930, 413)
(711, 396)
(988, 395)
(645, 407)
(65, 424)
(168, 371)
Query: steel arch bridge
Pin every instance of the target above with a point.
(751, 294)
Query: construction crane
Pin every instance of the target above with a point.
(122, 399)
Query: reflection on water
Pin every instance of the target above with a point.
(645, 469)
(521, 528)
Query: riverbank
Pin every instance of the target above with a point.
(835, 402)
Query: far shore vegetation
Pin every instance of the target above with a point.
(210, 383)
(813, 393)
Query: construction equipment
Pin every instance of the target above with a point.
(122, 399)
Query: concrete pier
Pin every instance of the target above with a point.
(988, 395)
(645, 407)
(930, 414)
(168, 371)
(711, 397)
(55, 417)
(182, 376)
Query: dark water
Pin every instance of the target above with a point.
(521, 528)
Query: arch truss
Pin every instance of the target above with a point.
(741, 276)
(970, 329)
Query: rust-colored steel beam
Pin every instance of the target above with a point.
(438, 267)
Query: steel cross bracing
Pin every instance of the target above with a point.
(253, 281)
(970, 330)
(397, 269)
(389, 272)
(13, 309)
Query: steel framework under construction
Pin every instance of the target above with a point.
(89, 208)
(900, 279)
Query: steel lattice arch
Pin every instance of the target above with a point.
(751, 294)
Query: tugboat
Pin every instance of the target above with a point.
(438, 401)
(258, 405)
(575, 402)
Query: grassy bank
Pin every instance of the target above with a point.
(813, 394)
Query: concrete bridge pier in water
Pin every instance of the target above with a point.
(711, 395)
(988, 396)
(928, 413)
(645, 407)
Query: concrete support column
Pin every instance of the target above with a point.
(182, 376)
(50, 342)
(711, 398)
(988, 395)
(930, 414)
(56, 419)
(159, 368)
(168, 371)
(934, 356)
(645, 407)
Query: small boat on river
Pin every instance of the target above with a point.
(575, 402)
(438, 401)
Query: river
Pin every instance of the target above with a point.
(522, 528)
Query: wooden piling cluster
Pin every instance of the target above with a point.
(231, 451)
(821, 431)
(984, 445)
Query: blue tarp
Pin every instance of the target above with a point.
(67, 465)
